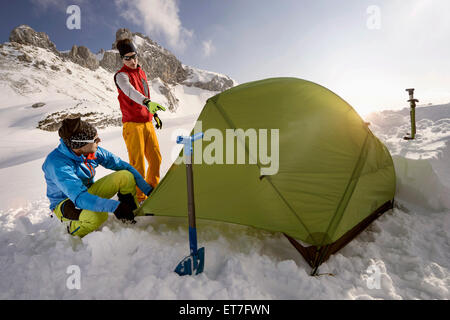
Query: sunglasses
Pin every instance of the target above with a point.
(128, 58)
(95, 140)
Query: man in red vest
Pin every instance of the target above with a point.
(137, 114)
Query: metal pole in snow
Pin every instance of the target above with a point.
(412, 113)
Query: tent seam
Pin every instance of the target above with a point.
(358, 167)
(232, 125)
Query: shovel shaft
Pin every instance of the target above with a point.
(412, 112)
(191, 202)
(191, 209)
(193, 241)
(413, 121)
(195, 262)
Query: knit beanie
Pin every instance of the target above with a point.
(125, 46)
(76, 129)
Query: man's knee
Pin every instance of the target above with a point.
(125, 174)
(89, 222)
(98, 218)
(125, 177)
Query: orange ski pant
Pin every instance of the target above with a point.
(142, 145)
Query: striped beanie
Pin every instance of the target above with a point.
(76, 129)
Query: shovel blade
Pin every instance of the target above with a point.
(192, 264)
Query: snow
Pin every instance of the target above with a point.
(409, 246)
(199, 75)
(99, 56)
(138, 41)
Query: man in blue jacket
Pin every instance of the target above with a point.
(73, 194)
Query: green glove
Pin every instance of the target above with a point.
(153, 107)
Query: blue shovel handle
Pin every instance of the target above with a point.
(187, 142)
(184, 140)
(196, 260)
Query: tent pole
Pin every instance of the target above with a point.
(322, 253)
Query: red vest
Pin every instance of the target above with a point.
(132, 111)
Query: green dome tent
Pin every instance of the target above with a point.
(332, 178)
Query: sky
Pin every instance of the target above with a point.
(366, 51)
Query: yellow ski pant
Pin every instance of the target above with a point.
(119, 181)
(142, 145)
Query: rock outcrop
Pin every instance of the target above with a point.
(24, 34)
(156, 61)
(83, 56)
(172, 100)
(111, 61)
(217, 83)
(163, 70)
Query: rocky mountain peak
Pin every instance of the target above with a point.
(156, 61)
(83, 56)
(24, 34)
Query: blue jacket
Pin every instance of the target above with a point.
(69, 176)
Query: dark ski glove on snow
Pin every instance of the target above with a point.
(124, 213)
(128, 199)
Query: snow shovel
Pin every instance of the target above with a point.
(195, 262)
(412, 113)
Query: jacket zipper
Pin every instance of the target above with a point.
(91, 170)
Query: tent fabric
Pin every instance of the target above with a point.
(314, 255)
(333, 172)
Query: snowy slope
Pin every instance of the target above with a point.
(409, 245)
(65, 88)
(48, 77)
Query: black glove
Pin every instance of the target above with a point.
(124, 213)
(158, 121)
(128, 199)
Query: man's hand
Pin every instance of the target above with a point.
(153, 107)
(124, 213)
(158, 121)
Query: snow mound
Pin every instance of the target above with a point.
(418, 183)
